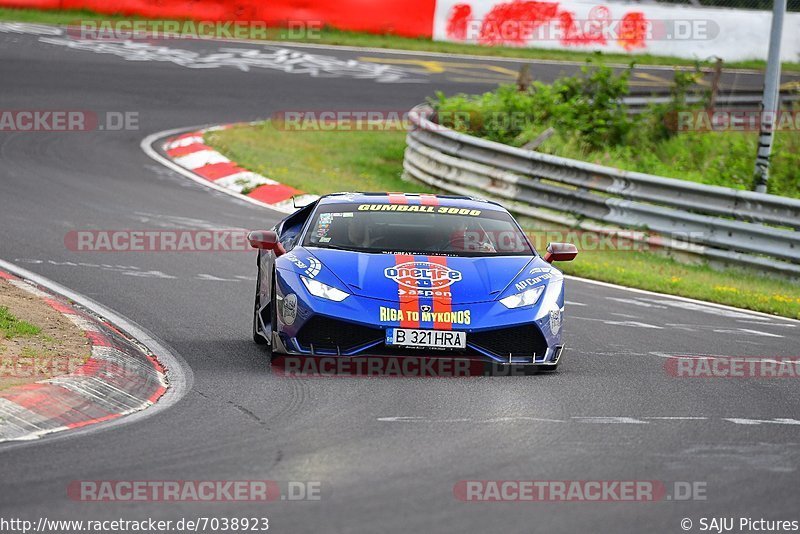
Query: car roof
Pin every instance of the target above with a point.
(454, 201)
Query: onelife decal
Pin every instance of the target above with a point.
(422, 287)
(434, 274)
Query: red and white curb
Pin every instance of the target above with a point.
(190, 152)
(120, 377)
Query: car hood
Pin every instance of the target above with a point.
(397, 277)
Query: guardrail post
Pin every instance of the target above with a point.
(770, 106)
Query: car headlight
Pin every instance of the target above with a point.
(323, 291)
(526, 298)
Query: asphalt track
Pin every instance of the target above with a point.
(387, 451)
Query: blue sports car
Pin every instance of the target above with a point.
(357, 274)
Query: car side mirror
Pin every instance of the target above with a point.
(560, 252)
(266, 240)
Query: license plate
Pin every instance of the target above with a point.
(438, 339)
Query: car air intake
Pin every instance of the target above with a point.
(327, 334)
(523, 340)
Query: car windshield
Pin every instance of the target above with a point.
(391, 228)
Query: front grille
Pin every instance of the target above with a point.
(333, 335)
(524, 340)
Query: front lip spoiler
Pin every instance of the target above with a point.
(550, 359)
(551, 356)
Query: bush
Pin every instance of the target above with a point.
(587, 104)
(591, 123)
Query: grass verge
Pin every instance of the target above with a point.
(36, 341)
(712, 158)
(317, 162)
(327, 161)
(333, 36)
(11, 327)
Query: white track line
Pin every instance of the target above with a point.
(423, 53)
(451, 55)
(682, 299)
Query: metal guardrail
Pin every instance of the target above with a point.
(718, 223)
(738, 101)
